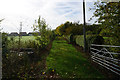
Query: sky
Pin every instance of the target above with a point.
(55, 12)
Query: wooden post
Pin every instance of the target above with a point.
(84, 32)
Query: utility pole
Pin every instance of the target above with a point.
(84, 32)
(20, 30)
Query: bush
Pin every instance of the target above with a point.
(113, 41)
(72, 38)
(80, 40)
(5, 42)
(95, 40)
(21, 66)
(67, 37)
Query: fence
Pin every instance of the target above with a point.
(102, 56)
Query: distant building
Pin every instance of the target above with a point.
(33, 33)
(23, 33)
(13, 34)
(38, 33)
(30, 34)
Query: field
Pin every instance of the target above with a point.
(67, 62)
(25, 41)
(23, 38)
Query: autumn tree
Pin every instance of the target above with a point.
(57, 31)
(70, 28)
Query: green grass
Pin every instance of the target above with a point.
(26, 41)
(68, 62)
(24, 38)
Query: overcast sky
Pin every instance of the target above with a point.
(55, 12)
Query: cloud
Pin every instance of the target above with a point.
(55, 12)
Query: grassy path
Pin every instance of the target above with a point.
(69, 63)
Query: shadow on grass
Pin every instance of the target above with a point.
(69, 63)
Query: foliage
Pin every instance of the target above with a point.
(5, 42)
(109, 18)
(45, 33)
(58, 38)
(77, 39)
(69, 28)
(75, 28)
(80, 40)
(93, 29)
(96, 39)
(21, 66)
(57, 31)
(71, 38)
(67, 37)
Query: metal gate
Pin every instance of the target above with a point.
(102, 56)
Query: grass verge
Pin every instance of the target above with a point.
(67, 62)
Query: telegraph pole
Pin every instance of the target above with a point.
(20, 30)
(84, 32)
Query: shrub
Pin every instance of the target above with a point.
(67, 37)
(95, 40)
(45, 33)
(5, 42)
(72, 38)
(80, 40)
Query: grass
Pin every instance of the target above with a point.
(69, 63)
(24, 38)
(25, 42)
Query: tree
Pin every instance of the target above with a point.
(41, 26)
(93, 29)
(57, 31)
(109, 18)
(64, 27)
(69, 28)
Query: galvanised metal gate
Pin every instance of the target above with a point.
(102, 56)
